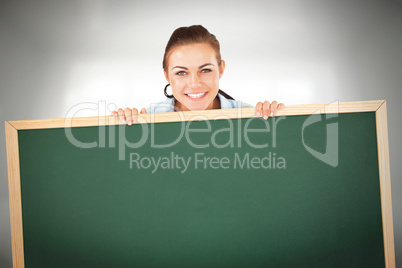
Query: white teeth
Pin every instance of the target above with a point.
(195, 96)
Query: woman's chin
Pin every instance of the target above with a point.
(197, 106)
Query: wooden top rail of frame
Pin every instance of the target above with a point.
(303, 109)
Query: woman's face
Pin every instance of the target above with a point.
(193, 73)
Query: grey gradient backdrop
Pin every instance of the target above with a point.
(56, 54)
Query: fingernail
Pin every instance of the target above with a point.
(272, 113)
(258, 113)
(265, 117)
(135, 119)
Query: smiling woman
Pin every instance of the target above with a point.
(194, 86)
(192, 66)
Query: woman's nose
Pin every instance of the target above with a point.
(195, 81)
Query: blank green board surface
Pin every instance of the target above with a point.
(86, 208)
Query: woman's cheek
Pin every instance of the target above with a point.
(214, 78)
(178, 85)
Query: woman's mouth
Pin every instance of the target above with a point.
(197, 96)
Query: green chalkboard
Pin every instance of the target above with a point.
(214, 199)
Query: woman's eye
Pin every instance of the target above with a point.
(206, 70)
(181, 73)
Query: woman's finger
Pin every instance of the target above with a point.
(120, 113)
(265, 109)
(274, 106)
(134, 116)
(143, 111)
(258, 109)
(127, 113)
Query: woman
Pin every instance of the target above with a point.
(192, 66)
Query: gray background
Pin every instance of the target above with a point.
(57, 54)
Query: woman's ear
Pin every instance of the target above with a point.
(221, 68)
(166, 76)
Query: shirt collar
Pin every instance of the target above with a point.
(225, 103)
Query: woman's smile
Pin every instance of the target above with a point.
(196, 96)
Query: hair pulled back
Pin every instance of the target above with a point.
(195, 34)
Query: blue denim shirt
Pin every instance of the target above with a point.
(168, 105)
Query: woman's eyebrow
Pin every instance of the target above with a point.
(181, 67)
(202, 66)
(185, 68)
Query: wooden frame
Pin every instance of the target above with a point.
(379, 107)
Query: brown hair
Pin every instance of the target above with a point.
(195, 34)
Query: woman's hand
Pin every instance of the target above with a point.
(128, 115)
(267, 109)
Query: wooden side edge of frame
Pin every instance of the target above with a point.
(14, 188)
(385, 185)
(334, 107)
